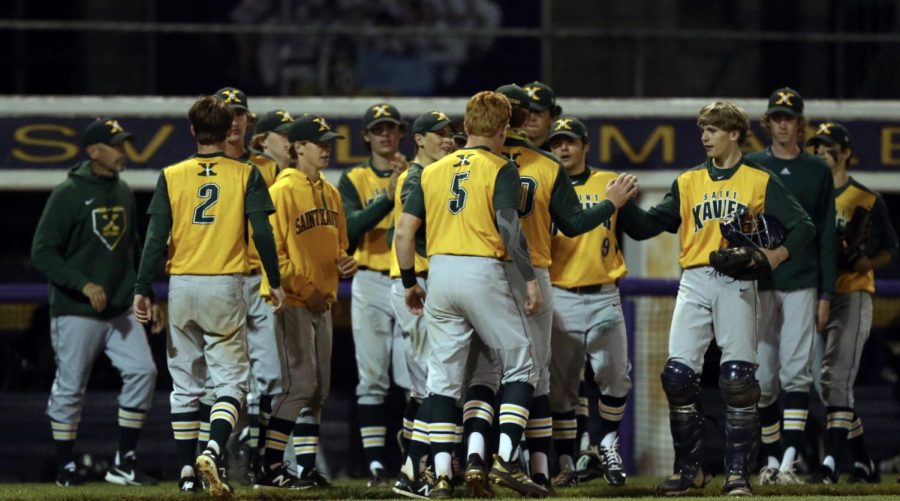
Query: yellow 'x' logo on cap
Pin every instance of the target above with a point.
(381, 110)
(323, 125)
(231, 96)
(532, 91)
(440, 116)
(285, 116)
(785, 98)
(563, 123)
(114, 126)
(825, 128)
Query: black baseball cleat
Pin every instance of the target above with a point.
(126, 472)
(543, 481)
(278, 476)
(824, 475)
(737, 485)
(681, 482)
(377, 478)
(414, 488)
(189, 484)
(511, 476)
(443, 488)
(565, 478)
(476, 476)
(240, 458)
(68, 476)
(589, 464)
(611, 464)
(864, 474)
(317, 479)
(212, 469)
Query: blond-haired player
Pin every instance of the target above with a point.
(201, 205)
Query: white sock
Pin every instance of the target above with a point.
(863, 466)
(787, 462)
(214, 446)
(585, 441)
(476, 444)
(187, 471)
(608, 439)
(829, 462)
(375, 465)
(505, 449)
(299, 469)
(539, 464)
(443, 465)
(566, 463)
(70, 466)
(407, 468)
(773, 462)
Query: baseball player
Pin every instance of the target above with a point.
(311, 238)
(795, 301)
(543, 111)
(546, 196)
(367, 191)
(468, 202)
(711, 305)
(850, 316)
(434, 140)
(86, 243)
(201, 205)
(587, 312)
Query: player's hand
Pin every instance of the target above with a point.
(822, 308)
(316, 302)
(415, 300)
(143, 308)
(622, 189)
(276, 296)
(158, 319)
(775, 256)
(346, 266)
(96, 295)
(533, 298)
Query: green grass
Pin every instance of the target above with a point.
(637, 488)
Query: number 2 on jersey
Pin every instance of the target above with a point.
(458, 202)
(209, 193)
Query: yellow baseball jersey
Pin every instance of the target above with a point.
(421, 261)
(847, 200)
(592, 258)
(310, 235)
(208, 197)
(458, 197)
(537, 176)
(361, 188)
(268, 169)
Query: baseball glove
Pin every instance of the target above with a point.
(854, 240)
(741, 263)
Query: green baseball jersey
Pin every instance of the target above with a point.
(809, 180)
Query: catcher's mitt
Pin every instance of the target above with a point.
(853, 243)
(741, 263)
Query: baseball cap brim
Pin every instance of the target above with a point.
(569, 133)
(382, 119)
(782, 109)
(120, 138)
(282, 128)
(328, 136)
(821, 138)
(439, 126)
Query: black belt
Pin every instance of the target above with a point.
(588, 289)
(253, 272)
(386, 273)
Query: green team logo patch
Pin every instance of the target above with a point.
(110, 224)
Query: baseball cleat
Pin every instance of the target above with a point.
(681, 482)
(189, 484)
(313, 476)
(864, 474)
(376, 478)
(768, 475)
(278, 476)
(788, 477)
(511, 476)
(443, 489)
(611, 464)
(477, 485)
(824, 475)
(68, 476)
(414, 488)
(737, 485)
(565, 478)
(127, 473)
(208, 465)
(589, 464)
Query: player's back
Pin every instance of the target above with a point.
(458, 192)
(848, 199)
(207, 199)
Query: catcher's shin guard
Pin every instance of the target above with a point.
(740, 391)
(682, 389)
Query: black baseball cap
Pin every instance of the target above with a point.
(432, 121)
(311, 128)
(568, 126)
(831, 133)
(274, 121)
(106, 131)
(516, 95)
(381, 112)
(542, 97)
(234, 97)
(785, 100)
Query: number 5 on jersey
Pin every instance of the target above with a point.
(209, 194)
(458, 201)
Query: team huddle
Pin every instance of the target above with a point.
(485, 277)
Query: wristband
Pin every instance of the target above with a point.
(409, 277)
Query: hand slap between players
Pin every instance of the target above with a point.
(622, 189)
(415, 300)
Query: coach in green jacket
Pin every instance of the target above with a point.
(86, 244)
